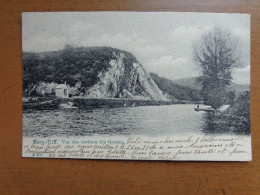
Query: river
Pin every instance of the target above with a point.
(165, 120)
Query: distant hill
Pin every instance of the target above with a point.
(92, 72)
(239, 88)
(188, 82)
(180, 92)
(191, 83)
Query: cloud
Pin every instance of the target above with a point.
(242, 35)
(162, 42)
(188, 33)
(37, 43)
(171, 68)
(241, 75)
(143, 49)
(183, 37)
(79, 27)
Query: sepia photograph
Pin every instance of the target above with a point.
(123, 78)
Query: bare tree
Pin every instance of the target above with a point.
(215, 54)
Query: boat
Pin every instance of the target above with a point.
(42, 105)
(204, 109)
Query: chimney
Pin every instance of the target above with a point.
(65, 82)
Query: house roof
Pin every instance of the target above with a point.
(61, 86)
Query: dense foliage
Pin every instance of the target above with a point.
(236, 119)
(241, 110)
(72, 64)
(241, 105)
(179, 92)
(216, 55)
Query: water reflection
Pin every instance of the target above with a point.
(168, 120)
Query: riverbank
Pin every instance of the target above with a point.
(90, 103)
(113, 102)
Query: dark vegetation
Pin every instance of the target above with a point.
(241, 106)
(179, 92)
(72, 64)
(215, 54)
(234, 120)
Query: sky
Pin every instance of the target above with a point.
(161, 41)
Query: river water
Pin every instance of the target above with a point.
(165, 120)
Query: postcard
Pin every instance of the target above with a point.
(136, 86)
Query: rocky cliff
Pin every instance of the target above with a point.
(99, 72)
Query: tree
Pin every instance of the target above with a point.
(215, 54)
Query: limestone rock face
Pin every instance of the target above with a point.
(125, 80)
(92, 72)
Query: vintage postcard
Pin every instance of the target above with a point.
(136, 85)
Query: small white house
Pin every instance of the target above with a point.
(62, 91)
